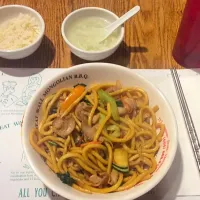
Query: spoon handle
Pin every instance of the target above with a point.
(122, 19)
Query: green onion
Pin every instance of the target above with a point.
(107, 98)
(119, 103)
(86, 101)
(52, 143)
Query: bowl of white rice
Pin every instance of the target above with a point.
(21, 31)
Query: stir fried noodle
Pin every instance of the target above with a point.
(99, 139)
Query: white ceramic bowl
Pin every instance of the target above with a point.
(10, 11)
(87, 74)
(85, 12)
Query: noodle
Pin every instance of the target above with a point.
(103, 123)
(90, 141)
(93, 108)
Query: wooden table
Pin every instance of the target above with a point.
(148, 42)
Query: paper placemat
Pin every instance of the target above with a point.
(18, 181)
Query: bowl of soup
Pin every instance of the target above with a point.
(99, 131)
(82, 29)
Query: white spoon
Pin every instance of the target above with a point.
(113, 26)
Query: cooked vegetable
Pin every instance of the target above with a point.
(52, 143)
(113, 131)
(75, 94)
(87, 102)
(66, 178)
(120, 157)
(119, 103)
(107, 98)
(120, 169)
(101, 103)
(102, 117)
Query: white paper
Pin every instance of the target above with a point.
(18, 180)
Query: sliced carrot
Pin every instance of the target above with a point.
(75, 94)
(93, 142)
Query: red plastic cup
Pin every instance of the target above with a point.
(186, 50)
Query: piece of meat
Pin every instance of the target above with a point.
(95, 180)
(114, 88)
(101, 139)
(123, 133)
(111, 89)
(77, 167)
(72, 164)
(99, 180)
(69, 162)
(64, 126)
(130, 105)
(82, 111)
(88, 131)
(86, 175)
(113, 177)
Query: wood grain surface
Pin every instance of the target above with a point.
(148, 42)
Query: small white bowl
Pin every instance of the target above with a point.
(85, 12)
(10, 11)
(88, 74)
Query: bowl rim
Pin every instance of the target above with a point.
(126, 197)
(41, 34)
(121, 37)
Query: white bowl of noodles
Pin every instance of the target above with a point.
(84, 139)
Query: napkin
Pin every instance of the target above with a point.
(18, 181)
